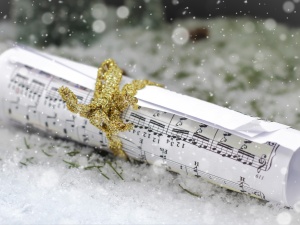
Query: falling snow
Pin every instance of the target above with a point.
(237, 66)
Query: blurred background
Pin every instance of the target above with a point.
(59, 21)
(207, 8)
(240, 54)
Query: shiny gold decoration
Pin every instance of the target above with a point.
(108, 103)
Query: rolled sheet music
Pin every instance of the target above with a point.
(181, 133)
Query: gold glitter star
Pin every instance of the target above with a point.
(108, 103)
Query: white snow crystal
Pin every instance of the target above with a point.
(284, 218)
(51, 183)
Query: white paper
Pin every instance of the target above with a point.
(183, 134)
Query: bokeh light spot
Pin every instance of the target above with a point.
(284, 218)
(180, 35)
(122, 12)
(47, 18)
(98, 26)
(288, 7)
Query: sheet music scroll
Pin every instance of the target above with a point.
(183, 134)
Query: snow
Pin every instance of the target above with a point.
(46, 180)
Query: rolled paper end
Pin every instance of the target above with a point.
(108, 103)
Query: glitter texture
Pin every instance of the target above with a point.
(108, 103)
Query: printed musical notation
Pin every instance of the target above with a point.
(143, 154)
(216, 141)
(39, 85)
(34, 100)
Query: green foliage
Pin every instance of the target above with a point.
(255, 107)
(182, 75)
(58, 22)
(148, 14)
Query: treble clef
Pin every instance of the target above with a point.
(262, 160)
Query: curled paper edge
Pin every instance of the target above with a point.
(245, 126)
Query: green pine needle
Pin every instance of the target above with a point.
(47, 154)
(111, 166)
(26, 143)
(98, 167)
(191, 193)
(71, 164)
(73, 153)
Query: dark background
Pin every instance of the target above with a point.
(213, 8)
(233, 8)
(4, 8)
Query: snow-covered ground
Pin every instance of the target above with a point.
(249, 66)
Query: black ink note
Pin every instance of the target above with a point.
(179, 123)
(139, 121)
(54, 118)
(36, 88)
(196, 164)
(156, 127)
(201, 126)
(224, 149)
(200, 139)
(244, 157)
(179, 134)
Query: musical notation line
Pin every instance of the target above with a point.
(195, 138)
(190, 170)
(156, 127)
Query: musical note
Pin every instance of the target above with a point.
(32, 114)
(179, 123)
(244, 157)
(156, 127)
(70, 127)
(225, 135)
(201, 126)
(138, 121)
(164, 153)
(51, 123)
(179, 134)
(19, 83)
(200, 140)
(13, 105)
(242, 184)
(49, 118)
(224, 150)
(158, 113)
(271, 143)
(83, 133)
(196, 164)
(53, 98)
(36, 88)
